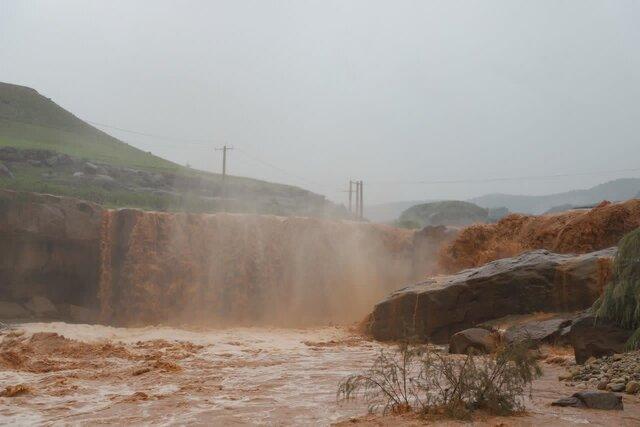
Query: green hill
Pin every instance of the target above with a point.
(48, 149)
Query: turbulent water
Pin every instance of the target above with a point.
(62, 374)
(227, 269)
(98, 374)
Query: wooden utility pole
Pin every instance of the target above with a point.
(358, 197)
(361, 200)
(351, 195)
(224, 150)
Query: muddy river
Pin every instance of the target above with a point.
(87, 375)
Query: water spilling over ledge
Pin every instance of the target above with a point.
(245, 269)
(134, 267)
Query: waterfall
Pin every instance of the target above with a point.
(241, 269)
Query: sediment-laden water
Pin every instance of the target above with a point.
(97, 374)
(88, 375)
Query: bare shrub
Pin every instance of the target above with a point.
(416, 378)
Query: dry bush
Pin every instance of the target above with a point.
(415, 378)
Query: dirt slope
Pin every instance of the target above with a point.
(577, 231)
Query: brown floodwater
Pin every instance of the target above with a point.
(88, 374)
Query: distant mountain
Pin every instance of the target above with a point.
(617, 190)
(45, 148)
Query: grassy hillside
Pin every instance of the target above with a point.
(47, 149)
(29, 120)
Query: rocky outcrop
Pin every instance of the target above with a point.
(49, 247)
(577, 231)
(534, 281)
(596, 339)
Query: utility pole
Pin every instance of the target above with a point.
(361, 200)
(224, 150)
(351, 195)
(358, 192)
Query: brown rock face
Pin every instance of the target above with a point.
(566, 232)
(49, 246)
(534, 281)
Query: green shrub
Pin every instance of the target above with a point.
(620, 302)
(416, 378)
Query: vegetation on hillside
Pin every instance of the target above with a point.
(46, 149)
(620, 301)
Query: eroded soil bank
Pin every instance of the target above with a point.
(104, 375)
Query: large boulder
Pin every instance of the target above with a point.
(534, 281)
(592, 400)
(602, 338)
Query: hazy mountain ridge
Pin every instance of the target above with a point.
(615, 190)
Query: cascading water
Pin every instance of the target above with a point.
(226, 269)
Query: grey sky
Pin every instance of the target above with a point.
(326, 90)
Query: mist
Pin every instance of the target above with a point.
(313, 93)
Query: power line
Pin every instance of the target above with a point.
(201, 141)
(151, 135)
(255, 159)
(298, 177)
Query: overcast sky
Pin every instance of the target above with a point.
(391, 92)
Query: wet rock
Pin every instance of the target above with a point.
(41, 307)
(548, 331)
(12, 310)
(617, 387)
(472, 340)
(590, 339)
(592, 400)
(5, 172)
(632, 387)
(600, 400)
(568, 401)
(534, 281)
